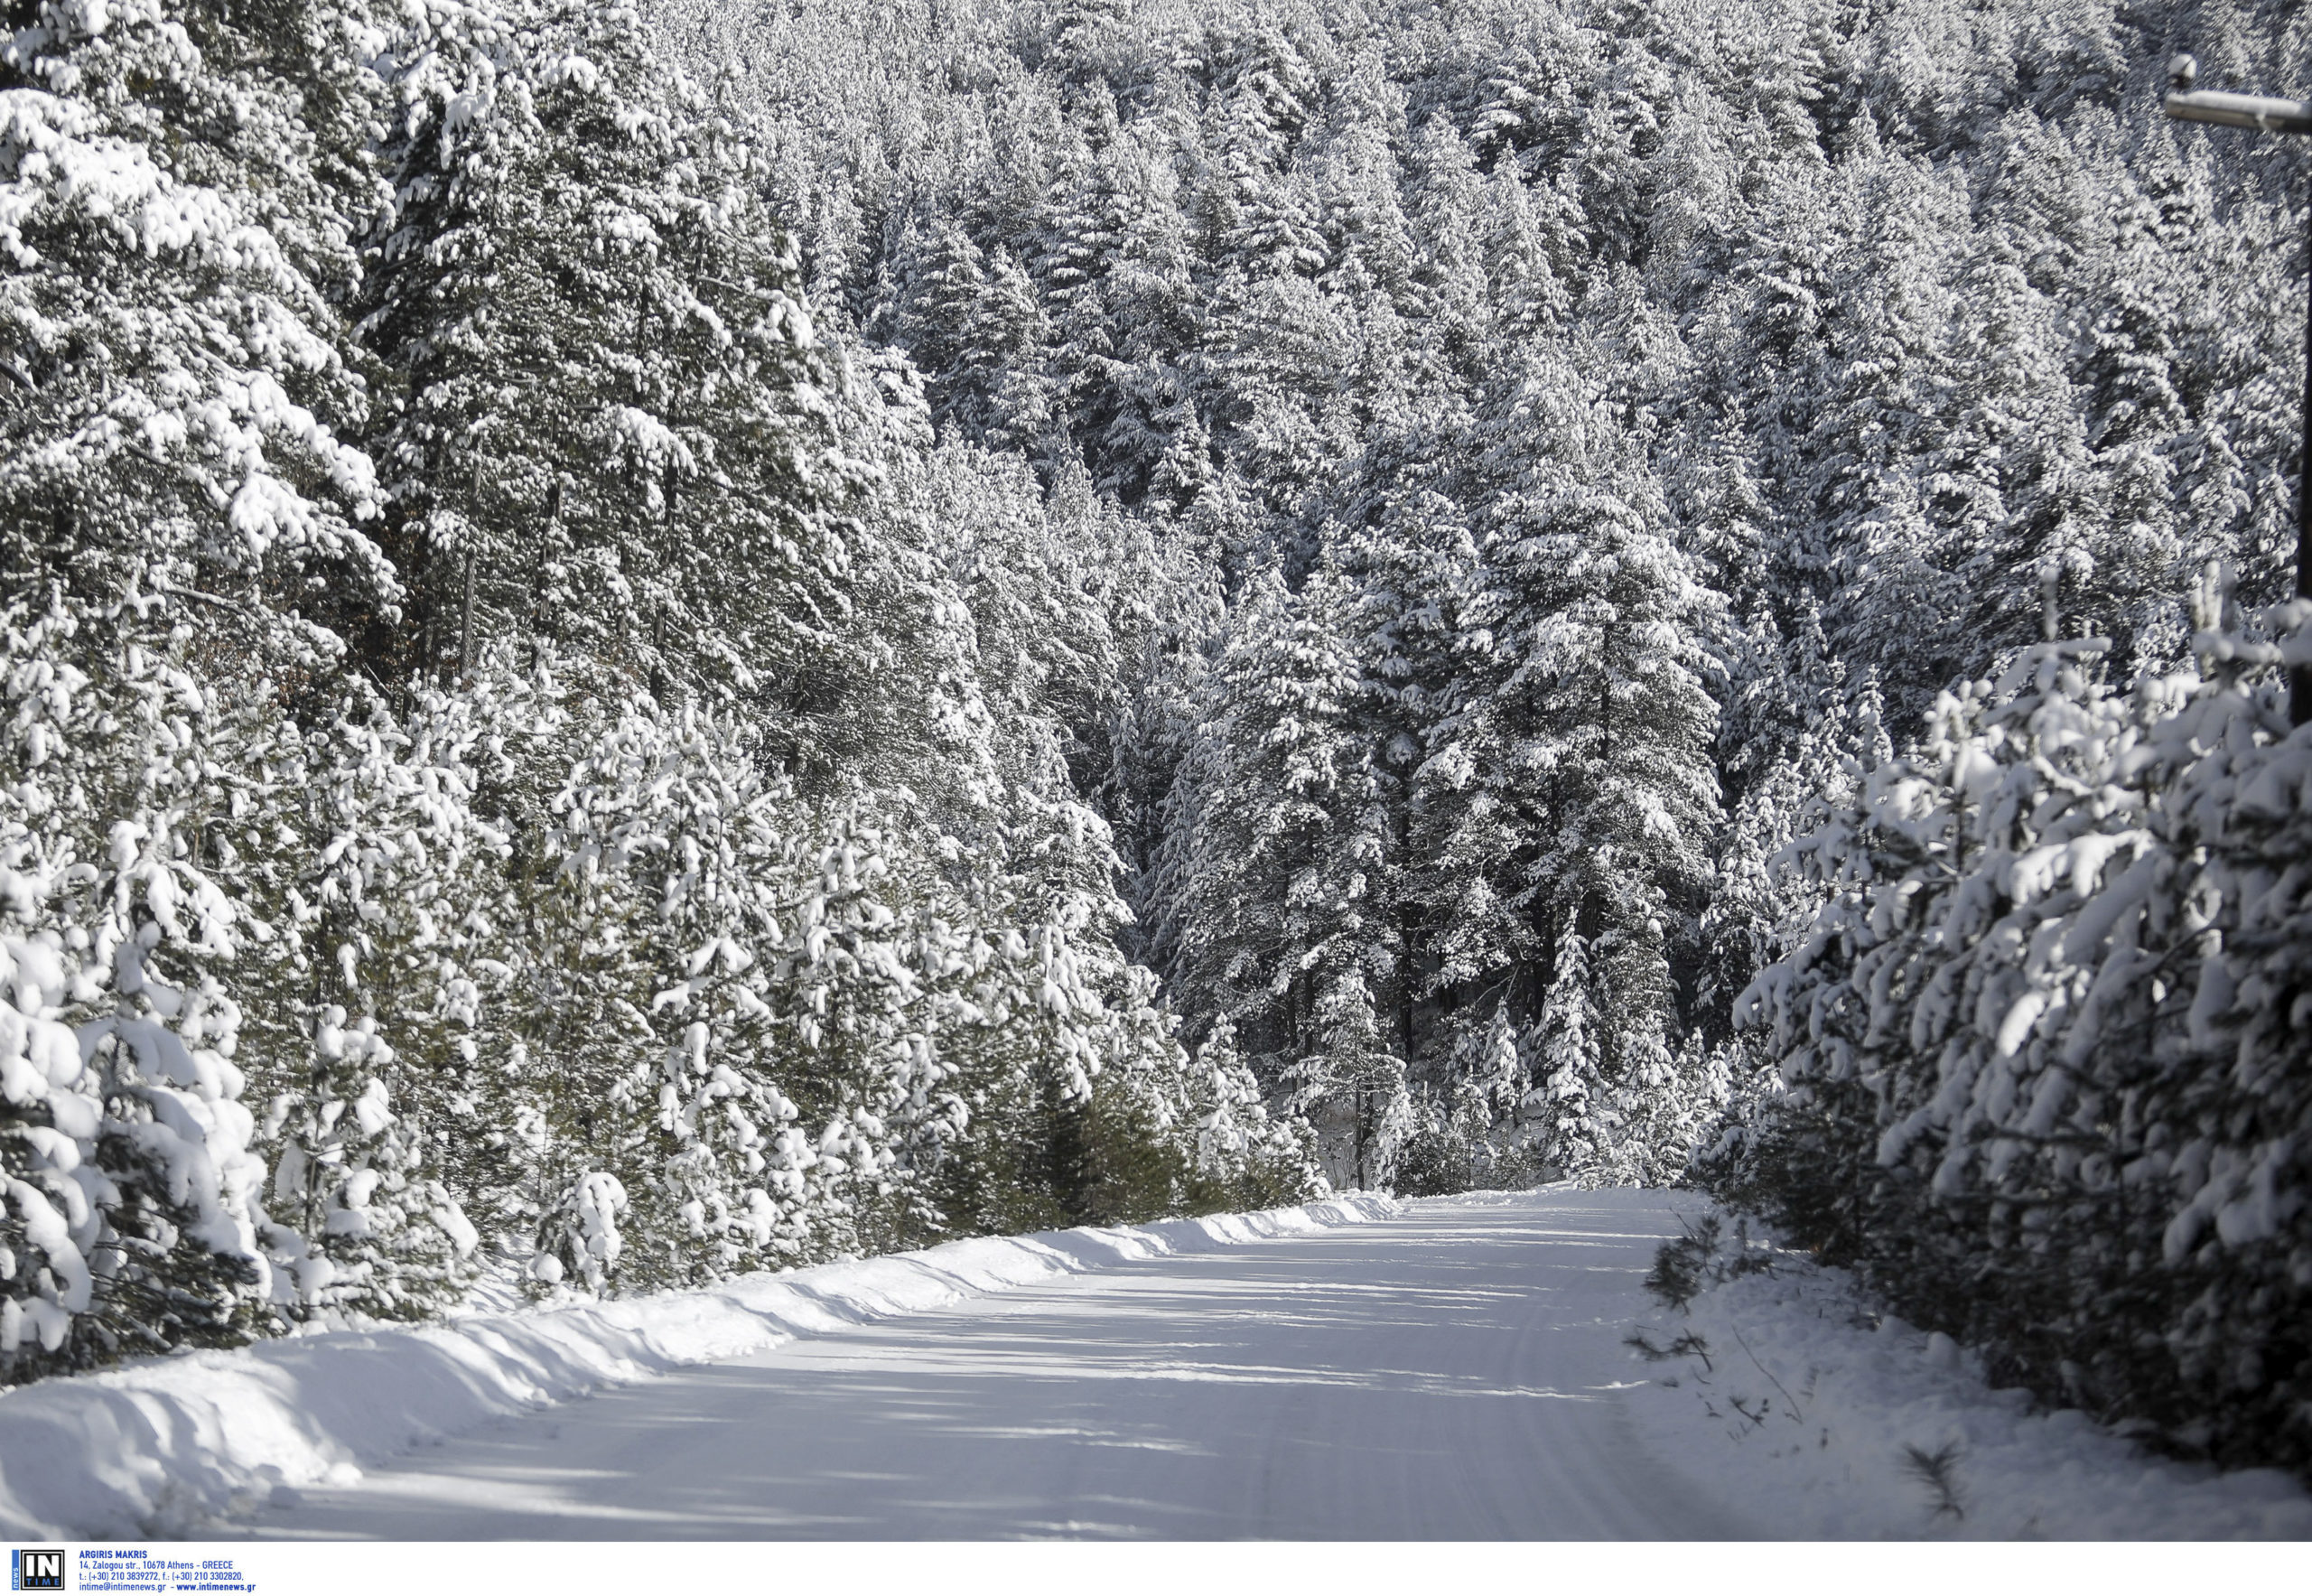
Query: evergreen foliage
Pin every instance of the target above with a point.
(1634, 445)
(2044, 1083)
(509, 770)
(646, 643)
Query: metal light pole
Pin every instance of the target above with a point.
(2265, 115)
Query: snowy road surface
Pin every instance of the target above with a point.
(1457, 1372)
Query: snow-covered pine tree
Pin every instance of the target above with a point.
(373, 1021)
(2036, 1081)
(131, 1219)
(178, 376)
(1287, 927)
(182, 511)
(974, 321)
(619, 429)
(1570, 779)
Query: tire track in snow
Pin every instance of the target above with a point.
(1453, 1373)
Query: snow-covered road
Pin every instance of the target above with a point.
(1455, 1372)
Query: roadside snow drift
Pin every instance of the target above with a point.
(167, 1445)
(1456, 1374)
(1811, 1417)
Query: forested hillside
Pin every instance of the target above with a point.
(520, 753)
(1612, 426)
(642, 644)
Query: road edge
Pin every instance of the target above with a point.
(169, 1445)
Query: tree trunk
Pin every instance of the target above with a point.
(465, 623)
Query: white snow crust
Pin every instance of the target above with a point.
(1456, 1373)
(1840, 1395)
(169, 1445)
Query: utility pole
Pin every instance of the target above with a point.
(2265, 115)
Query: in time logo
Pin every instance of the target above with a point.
(36, 1571)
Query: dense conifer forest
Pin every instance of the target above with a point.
(646, 643)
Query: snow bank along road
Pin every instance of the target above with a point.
(1353, 1368)
(1455, 1371)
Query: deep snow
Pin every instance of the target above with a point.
(176, 1446)
(1447, 1368)
(1454, 1372)
(1814, 1415)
